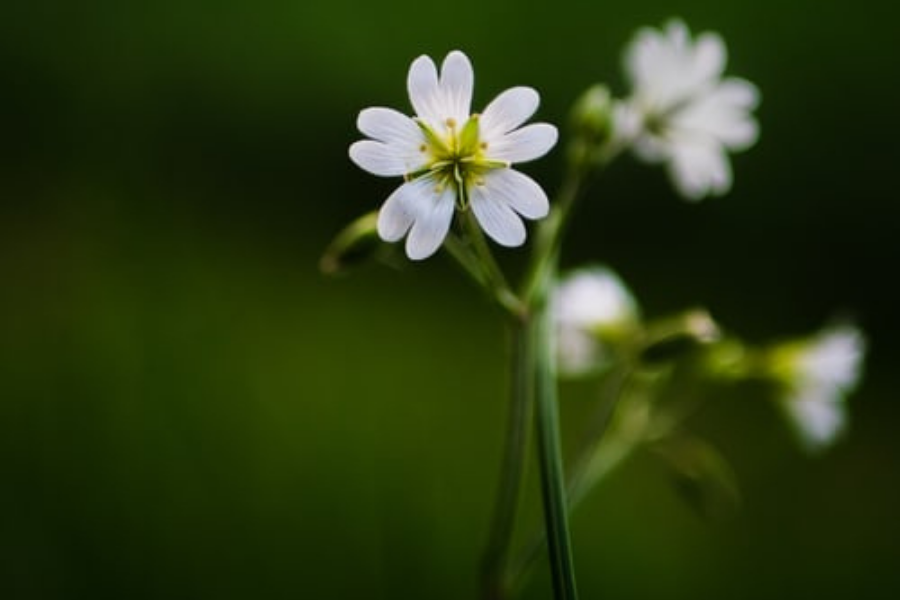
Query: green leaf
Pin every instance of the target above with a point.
(702, 476)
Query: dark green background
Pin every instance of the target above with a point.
(189, 410)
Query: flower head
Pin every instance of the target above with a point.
(590, 306)
(819, 373)
(682, 112)
(452, 159)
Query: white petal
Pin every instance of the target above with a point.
(418, 208)
(643, 57)
(389, 126)
(591, 298)
(577, 352)
(677, 34)
(723, 114)
(519, 191)
(699, 169)
(833, 358)
(818, 416)
(708, 58)
(432, 221)
(399, 211)
(739, 93)
(496, 217)
(457, 80)
(378, 158)
(508, 110)
(424, 91)
(527, 143)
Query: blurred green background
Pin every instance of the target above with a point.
(189, 410)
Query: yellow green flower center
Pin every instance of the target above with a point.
(455, 158)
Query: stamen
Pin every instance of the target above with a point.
(451, 123)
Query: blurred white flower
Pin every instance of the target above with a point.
(590, 306)
(820, 373)
(451, 158)
(682, 112)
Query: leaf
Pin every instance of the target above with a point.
(702, 476)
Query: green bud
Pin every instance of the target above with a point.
(592, 114)
(356, 242)
(672, 337)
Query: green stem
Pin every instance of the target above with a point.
(495, 277)
(556, 514)
(609, 455)
(599, 455)
(549, 235)
(495, 582)
(486, 273)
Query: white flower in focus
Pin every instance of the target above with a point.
(588, 305)
(453, 159)
(682, 112)
(820, 373)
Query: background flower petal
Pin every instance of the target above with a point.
(708, 60)
(699, 169)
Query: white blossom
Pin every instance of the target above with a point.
(452, 159)
(588, 305)
(682, 111)
(820, 373)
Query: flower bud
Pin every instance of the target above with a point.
(591, 124)
(670, 338)
(356, 242)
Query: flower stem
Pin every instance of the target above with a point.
(556, 513)
(549, 237)
(590, 471)
(495, 565)
(496, 280)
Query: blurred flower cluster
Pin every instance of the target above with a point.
(670, 366)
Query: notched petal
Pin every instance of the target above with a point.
(509, 110)
(528, 143)
(497, 219)
(377, 158)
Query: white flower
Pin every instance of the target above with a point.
(588, 305)
(453, 159)
(820, 373)
(682, 112)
